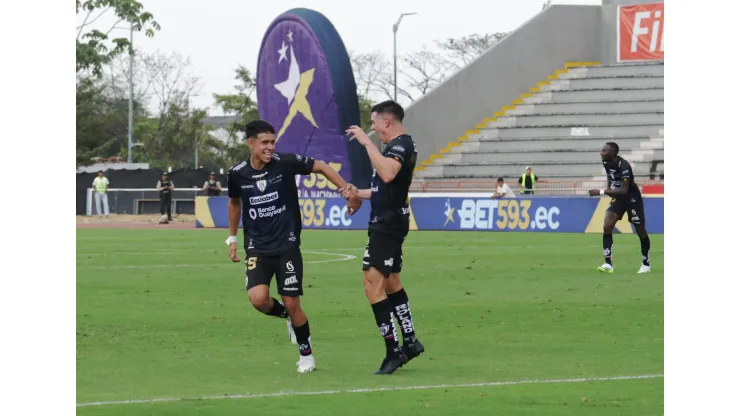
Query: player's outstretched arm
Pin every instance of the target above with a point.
(330, 174)
(361, 193)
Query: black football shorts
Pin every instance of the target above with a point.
(383, 252)
(287, 268)
(633, 206)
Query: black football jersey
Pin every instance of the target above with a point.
(620, 172)
(271, 216)
(389, 208)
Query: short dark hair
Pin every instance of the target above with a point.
(255, 127)
(389, 107)
(614, 146)
(100, 171)
(500, 180)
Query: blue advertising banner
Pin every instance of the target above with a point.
(455, 213)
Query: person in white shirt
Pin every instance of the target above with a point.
(100, 189)
(503, 190)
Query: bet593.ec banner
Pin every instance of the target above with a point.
(640, 32)
(570, 215)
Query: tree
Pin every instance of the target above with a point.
(94, 46)
(423, 70)
(244, 108)
(462, 51)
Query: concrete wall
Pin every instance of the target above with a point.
(559, 34)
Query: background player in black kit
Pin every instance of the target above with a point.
(626, 198)
(389, 224)
(263, 193)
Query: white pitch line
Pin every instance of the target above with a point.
(343, 257)
(376, 389)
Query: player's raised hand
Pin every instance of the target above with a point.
(356, 132)
(232, 252)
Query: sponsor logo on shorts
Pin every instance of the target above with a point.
(292, 280)
(289, 265)
(388, 262)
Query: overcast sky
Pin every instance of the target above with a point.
(218, 35)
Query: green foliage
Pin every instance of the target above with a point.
(95, 48)
(365, 106)
(242, 105)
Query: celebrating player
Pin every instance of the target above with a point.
(626, 197)
(263, 192)
(389, 225)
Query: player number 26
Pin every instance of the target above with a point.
(513, 213)
(319, 181)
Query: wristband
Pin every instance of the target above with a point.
(601, 192)
(231, 239)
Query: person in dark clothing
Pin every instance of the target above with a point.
(165, 187)
(212, 186)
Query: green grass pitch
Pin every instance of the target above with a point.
(164, 314)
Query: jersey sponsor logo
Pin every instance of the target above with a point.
(270, 211)
(261, 185)
(247, 186)
(398, 148)
(292, 280)
(298, 157)
(257, 200)
(261, 175)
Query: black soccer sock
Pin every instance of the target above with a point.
(402, 309)
(302, 333)
(278, 309)
(608, 243)
(383, 311)
(645, 245)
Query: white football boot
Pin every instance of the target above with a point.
(291, 332)
(644, 269)
(306, 364)
(606, 268)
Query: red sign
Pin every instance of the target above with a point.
(640, 32)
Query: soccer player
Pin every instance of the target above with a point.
(263, 193)
(626, 198)
(389, 224)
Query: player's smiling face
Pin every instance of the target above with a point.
(262, 146)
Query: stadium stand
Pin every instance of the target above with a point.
(561, 125)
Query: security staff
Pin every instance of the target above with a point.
(212, 186)
(527, 181)
(165, 187)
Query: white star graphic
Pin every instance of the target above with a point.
(288, 87)
(290, 36)
(282, 52)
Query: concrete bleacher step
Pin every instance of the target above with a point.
(614, 71)
(525, 133)
(595, 96)
(586, 120)
(536, 157)
(540, 144)
(624, 107)
(544, 171)
(604, 84)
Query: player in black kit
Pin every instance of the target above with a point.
(389, 224)
(626, 198)
(263, 193)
